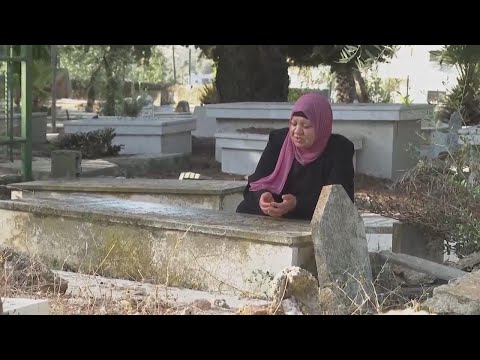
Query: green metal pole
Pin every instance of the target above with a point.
(9, 103)
(27, 112)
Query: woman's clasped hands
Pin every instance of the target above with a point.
(277, 209)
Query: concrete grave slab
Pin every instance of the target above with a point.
(194, 248)
(156, 135)
(204, 194)
(41, 168)
(20, 306)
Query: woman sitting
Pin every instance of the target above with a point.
(297, 162)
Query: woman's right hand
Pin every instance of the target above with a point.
(265, 200)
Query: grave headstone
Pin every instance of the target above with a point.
(66, 164)
(147, 111)
(454, 124)
(340, 246)
(147, 108)
(183, 107)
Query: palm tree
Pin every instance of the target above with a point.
(464, 96)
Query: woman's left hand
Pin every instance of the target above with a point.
(279, 209)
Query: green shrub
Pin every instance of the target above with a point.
(93, 144)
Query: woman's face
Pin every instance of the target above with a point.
(302, 132)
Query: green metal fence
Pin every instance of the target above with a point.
(10, 57)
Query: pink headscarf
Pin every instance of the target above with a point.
(317, 109)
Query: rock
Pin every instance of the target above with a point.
(27, 272)
(202, 304)
(125, 304)
(470, 262)
(221, 303)
(408, 311)
(149, 281)
(253, 310)
(412, 277)
(291, 307)
(77, 301)
(187, 311)
(102, 310)
(140, 291)
(460, 297)
(332, 303)
(382, 273)
(299, 283)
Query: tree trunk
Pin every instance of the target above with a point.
(345, 84)
(91, 90)
(54, 88)
(111, 88)
(361, 87)
(252, 73)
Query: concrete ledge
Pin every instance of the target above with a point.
(282, 111)
(154, 186)
(117, 211)
(19, 306)
(136, 126)
(204, 194)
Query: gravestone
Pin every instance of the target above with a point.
(454, 124)
(147, 111)
(182, 106)
(147, 108)
(66, 164)
(340, 246)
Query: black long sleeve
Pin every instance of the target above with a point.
(341, 172)
(265, 167)
(333, 166)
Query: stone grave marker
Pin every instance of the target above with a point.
(66, 164)
(340, 246)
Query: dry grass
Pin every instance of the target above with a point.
(436, 195)
(94, 295)
(27, 277)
